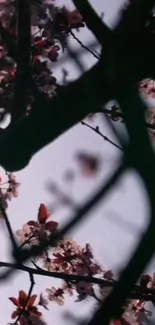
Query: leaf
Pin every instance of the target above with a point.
(15, 301)
(51, 225)
(43, 214)
(31, 301)
(43, 301)
(14, 314)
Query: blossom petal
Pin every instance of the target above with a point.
(49, 291)
(15, 301)
(14, 314)
(31, 301)
(20, 233)
(26, 228)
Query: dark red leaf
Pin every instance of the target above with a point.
(31, 301)
(14, 314)
(15, 301)
(43, 214)
(51, 225)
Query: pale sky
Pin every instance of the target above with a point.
(112, 228)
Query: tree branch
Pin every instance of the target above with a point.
(138, 292)
(53, 117)
(102, 33)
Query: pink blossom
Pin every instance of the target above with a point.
(59, 264)
(87, 251)
(68, 247)
(84, 290)
(148, 87)
(26, 235)
(56, 295)
(47, 263)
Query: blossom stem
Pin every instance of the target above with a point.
(97, 56)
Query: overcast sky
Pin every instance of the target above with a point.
(112, 228)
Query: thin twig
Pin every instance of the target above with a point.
(102, 33)
(84, 46)
(26, 242)
(97, 130)
(7, 222)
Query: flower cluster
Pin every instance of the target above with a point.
(34, 231)
(50, 29)
(69, 258)
(8, 190)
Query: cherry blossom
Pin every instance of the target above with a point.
(56, 295)
(67, 247)
(26, 235)
(8, 190)
(83, 290)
